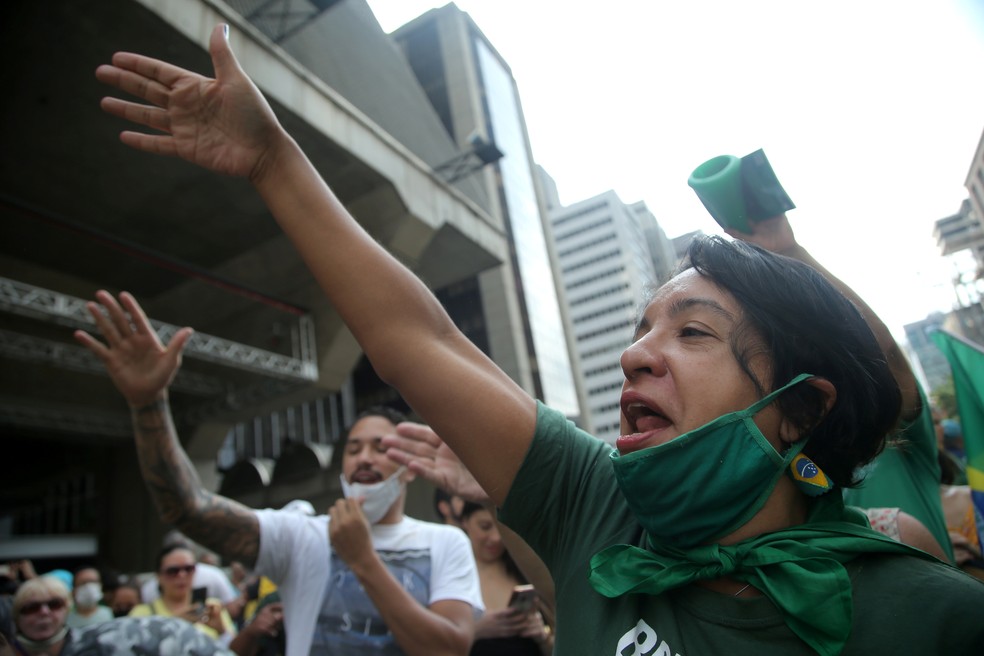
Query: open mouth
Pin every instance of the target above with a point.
(366, 476)
(643, 418)
(645, 423)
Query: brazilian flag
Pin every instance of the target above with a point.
(967, 363)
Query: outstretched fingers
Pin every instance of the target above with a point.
(147, 88)
(148, 115)
(101, 316)
(223, 59)
(158, 75)
(98, 348)
(419, 437)
(139, 320)
(120, 321)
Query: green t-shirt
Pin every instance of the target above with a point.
(567, 506)
(906, 475)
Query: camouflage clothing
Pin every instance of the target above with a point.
(139, 636)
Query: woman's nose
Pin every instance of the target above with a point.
(643, 356)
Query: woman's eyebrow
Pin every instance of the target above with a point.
(681, 304)
(375, 439)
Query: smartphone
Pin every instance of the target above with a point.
(523, 597)
(198, 596)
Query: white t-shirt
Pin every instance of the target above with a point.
(206, 576)
(325, 608)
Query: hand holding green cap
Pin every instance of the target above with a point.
(739, 191)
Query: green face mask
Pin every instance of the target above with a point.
(705, 483)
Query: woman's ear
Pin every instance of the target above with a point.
(827, 390)
(790, 433)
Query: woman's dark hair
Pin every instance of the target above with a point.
(168, 548)
(805, 325)
(469, 509)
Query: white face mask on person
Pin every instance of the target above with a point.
(88, 595)
(378, 497)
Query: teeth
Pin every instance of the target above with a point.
(637, 410)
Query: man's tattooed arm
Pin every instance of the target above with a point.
(223, 525)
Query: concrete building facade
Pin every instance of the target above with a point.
(929, 363)
(82, 212)
(609, 256)
(473, 91)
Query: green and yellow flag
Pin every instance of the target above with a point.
(967, 363)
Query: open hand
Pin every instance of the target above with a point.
(424, 453)
(223, 124)
(140, 366)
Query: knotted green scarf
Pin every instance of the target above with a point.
(801, 569)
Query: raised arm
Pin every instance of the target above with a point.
(776, 235)
(142, 369)
(224, 124)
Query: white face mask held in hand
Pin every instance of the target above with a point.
(378, 497)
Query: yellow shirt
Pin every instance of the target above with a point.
(158, 607)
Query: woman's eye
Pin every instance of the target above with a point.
(691, 331)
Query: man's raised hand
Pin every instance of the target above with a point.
(140, 366)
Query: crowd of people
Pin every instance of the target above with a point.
(89, 611)
(776, 487)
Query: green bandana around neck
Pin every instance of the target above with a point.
(800, 569)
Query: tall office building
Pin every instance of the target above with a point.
(608, 255)
(474, 93)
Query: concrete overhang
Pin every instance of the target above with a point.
(82, 212)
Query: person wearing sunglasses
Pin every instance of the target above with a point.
(175, 574)
(40, 609)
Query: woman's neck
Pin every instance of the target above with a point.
(785, 507)
(496, 583)
(176, 605)
(50, 647)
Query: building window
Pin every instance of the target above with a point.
(583, 229)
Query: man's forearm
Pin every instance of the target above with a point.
(170, 477)
(214, 521)
(418, 630)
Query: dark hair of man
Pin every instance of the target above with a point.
(805, 325)
(82, 568)
(130, 583)
(389, 414)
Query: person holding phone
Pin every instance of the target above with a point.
(513, 623)
(736, 544)
(175, 573)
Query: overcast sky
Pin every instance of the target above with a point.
(869, 111)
